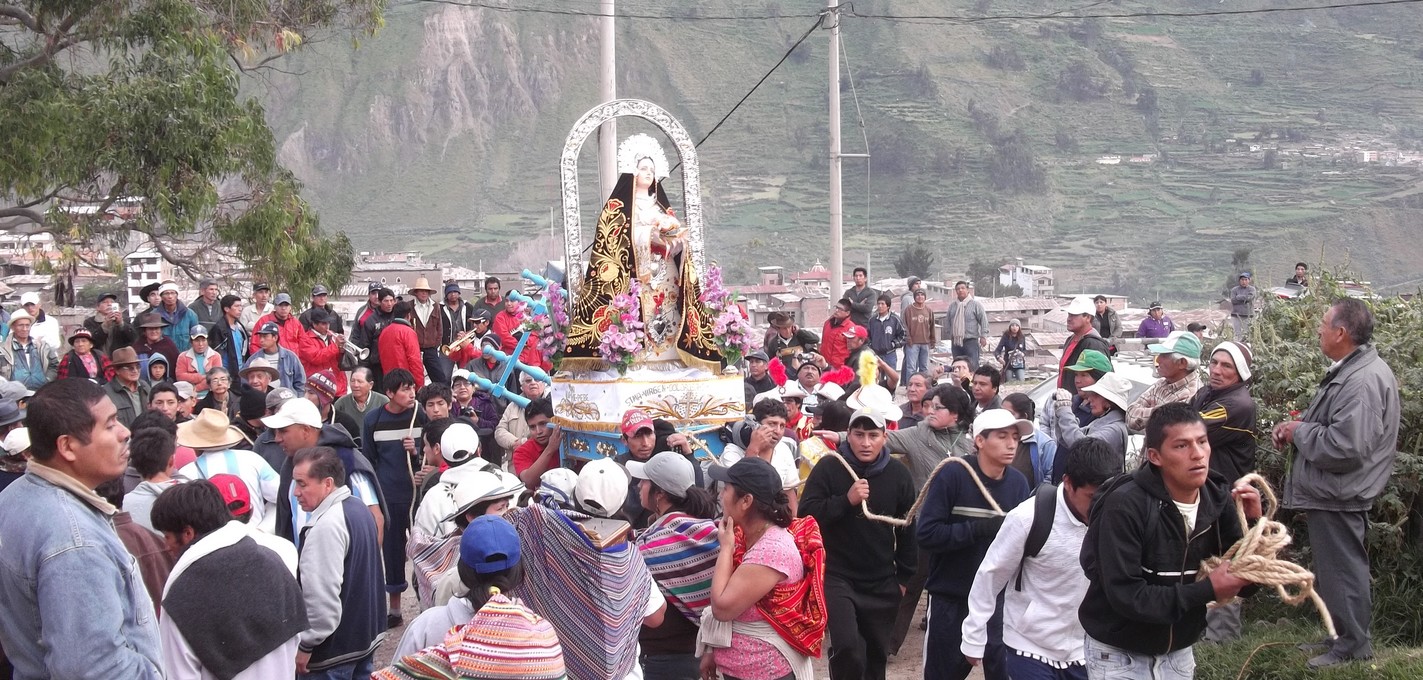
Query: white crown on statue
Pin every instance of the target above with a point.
(638, 147)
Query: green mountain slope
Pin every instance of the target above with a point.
(443, 133)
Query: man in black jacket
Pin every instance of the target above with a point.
(1229, 411)
(788, 340)
(867, 562)
(319, 295)
(862, 297)
(1146, 534)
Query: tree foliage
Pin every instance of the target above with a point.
(916, 260)
(1014, 167)
(139, 101)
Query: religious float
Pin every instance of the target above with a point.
(643, 320)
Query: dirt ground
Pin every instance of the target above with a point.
(906, 666)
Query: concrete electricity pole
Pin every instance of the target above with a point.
(837, 257)
(607, 91)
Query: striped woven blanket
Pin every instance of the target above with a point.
(432, 558)
(680, 551)
(594, 599)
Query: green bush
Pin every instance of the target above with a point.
(1288, 366)
(1277, 658)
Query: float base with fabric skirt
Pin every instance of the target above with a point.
(589, 406)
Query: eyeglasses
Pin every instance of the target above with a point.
(219, 379)
(933, 406)
(126, 367)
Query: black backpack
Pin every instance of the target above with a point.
(1044, 512)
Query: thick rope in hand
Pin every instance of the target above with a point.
(1254, 556)
(923, 492)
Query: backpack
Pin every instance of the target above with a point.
(1044, 512)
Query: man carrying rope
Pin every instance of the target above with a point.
(1147, 533)
(963, 507)
(867, 562)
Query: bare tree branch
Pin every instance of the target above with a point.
(20, 16)
(44, 56)
(26, 213)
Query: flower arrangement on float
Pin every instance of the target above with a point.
(734, 336)
(623, 337)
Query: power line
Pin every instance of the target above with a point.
(1124, 15)
(819, 21)
(847, 9)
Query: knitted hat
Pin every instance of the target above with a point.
(1240, 354)
(505, 640)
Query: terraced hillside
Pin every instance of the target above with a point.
(443, 132)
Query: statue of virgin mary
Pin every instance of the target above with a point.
(640, 238)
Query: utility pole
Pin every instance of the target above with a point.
(837, 257)
(607, 91)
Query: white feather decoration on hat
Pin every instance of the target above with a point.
(638, 147)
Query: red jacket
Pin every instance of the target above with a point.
(317, 355)
(399, 347)
(832, 342)
(506, 326)
(288, 333)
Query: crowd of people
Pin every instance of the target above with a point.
(242, 495)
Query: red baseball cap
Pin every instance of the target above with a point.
(634, 420)
(234, 493)
(857, 332)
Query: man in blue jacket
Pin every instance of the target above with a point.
(957, 524)
(388, 442)
(74, 604)
(179, 318)
(339, 566)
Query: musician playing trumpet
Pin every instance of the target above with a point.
(320, 349)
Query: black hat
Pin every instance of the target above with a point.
(374, 286)
(262, 286)
(148, 290)
(253, 405)
(481, 315)
(752, 475)
(317, 315)
(106, 295)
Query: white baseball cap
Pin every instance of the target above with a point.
(459, 444)
(294, 412)
(1000, 419)
(1081, 305)
(670, 471)
(17, 441)
(30, 298)
(602, 487)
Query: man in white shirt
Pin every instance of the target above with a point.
(1049, 642)
(231, 607)
(212, 437)
(769, 442)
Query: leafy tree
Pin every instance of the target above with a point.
(1065, 141)
(1006, 58)
(1077, 83)
(1257, 78)
(916, 260)
(102, 102)
(1272, 160)
(1146, 100)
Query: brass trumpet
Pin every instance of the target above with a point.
(355, 350)
(459, 343)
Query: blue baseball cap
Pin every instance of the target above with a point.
(489, 544)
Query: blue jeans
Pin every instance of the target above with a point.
(916, 359)
(1027, 668)
(891, 358)
(1015, 374)
(1105, 662)
(356, 670)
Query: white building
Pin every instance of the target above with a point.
(1035, 280)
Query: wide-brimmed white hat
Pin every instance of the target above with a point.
(481, 486)
(1113, 388)
(209, 430)
(875, 398)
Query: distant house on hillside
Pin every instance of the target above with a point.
(1035, 280)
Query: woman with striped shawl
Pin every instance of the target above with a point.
(596, 598)
(680, 548)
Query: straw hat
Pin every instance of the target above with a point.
(421, 284)
(260, 364)
(209, 430)
(1112, 387)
